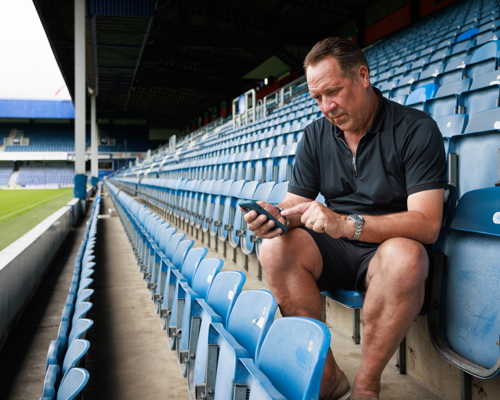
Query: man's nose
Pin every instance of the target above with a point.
(329, 106)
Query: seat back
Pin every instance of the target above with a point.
(181, 252)
(79, 329)
(72, 384)
(205, 274)
(295, 347)
(75, 353)
(251, 318)
(224, 291)
(464, 322)
(192, 262)
(174, 241)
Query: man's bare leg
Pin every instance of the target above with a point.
(396, 285)
(293, 264)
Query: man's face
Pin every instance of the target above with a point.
(341, 100)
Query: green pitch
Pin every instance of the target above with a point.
(22, 210)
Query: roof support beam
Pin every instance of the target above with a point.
(138, 63)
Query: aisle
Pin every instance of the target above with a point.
(128, 356)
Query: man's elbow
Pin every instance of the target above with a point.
(432, 233)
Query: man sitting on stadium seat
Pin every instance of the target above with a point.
(381, 168)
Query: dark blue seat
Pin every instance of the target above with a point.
(418, 97)
(446, 99)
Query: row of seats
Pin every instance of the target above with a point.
(62, 174)
(5, 172)
(209, 205)
(65, 378)
(226, 342)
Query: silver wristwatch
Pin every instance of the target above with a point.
(359, 221)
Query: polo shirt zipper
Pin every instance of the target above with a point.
(353, 156)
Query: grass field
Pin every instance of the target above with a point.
(22, 210)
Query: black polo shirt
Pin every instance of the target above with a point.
(402, 153)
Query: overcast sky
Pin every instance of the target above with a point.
(28, 69)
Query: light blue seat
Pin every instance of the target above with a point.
(464, 323)
(218, 207)
(451, 125)
(276, 196)
(217, 308)
(168, 300)
(186, 296)
(210, 206)
(157, 287)
(205, 191)
(491, 78)
(230, 204)
(247, 326)
(481, 99)
(236, 231)
(477, 155)
(294, 347)
(79, 329)
(248, 242)
(484, 121)
(285, 163)
(74, 355)
(81, 310)
(446, 99)
(72, 384)
(51, 382)
(484, 59)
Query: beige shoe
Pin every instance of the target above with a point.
(340, 389)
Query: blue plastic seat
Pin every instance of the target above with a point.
(463, 323)
(467, 34)
(481, 99)
(217, 308)
(484, 121)
(248, 242)
(180, 318)
(237, 232)
(418, 97)
(230, 205)
(210, 205)
(446, 99)
(477, 154)
(491, 78)
(79, 329)
(159, 278)
(247, 326)
(294, 347)
(72, 384)
(76, 351)
(218, 207)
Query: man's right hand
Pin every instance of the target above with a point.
(260, 225)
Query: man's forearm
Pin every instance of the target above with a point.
(409, 224)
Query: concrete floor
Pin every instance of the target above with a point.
(128, 356)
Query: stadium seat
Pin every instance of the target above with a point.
(463, 324)
(418, 97)
(247, 326)
(481, 99)
(300, 356)
(217, 308)
(445, 101)
(180, 318)
(72, 384)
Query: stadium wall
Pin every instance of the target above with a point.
(24, 263)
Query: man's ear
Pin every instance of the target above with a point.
(363, 76)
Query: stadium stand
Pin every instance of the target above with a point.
(455, 79)
(6, 169)
(46, 173)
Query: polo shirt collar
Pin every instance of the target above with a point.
(378, 119)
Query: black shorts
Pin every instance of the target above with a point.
(345, 262)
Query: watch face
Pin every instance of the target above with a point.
(356, 217)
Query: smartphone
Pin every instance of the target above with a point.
(250, 205)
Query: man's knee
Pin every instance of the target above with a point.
(295, 249)
(404, 261)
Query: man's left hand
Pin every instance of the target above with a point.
(319, 218)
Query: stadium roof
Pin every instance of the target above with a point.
(170, 61)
